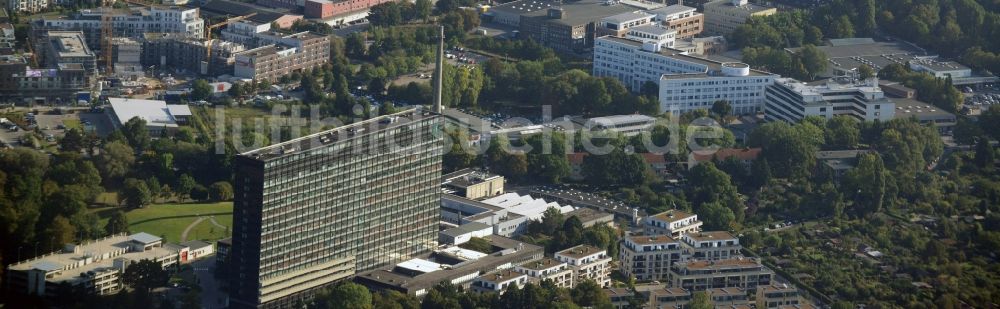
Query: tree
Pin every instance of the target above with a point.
(424, 9)
(700, 300)
(716, 216)
(136, 133)
(136, 193)
(347, 295)
(191, 299)
(145, 275)
(990, 121)
(185, 184)
(842, 132)
(236, 90)
(73, 141)
(865, 72)
(117, 223)
(590, 294)
(867, 182)
(722, 108)
(221, 191)
(814, 61)
(200, 90)
(59, 232)
(985, 154)
(115, 160)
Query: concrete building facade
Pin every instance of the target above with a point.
(791, 100)
(287, 54)
(548, 269)
(673, 223)
(648, 258)
(309, 212)
(132, 24)
(722, 17)
(701, 275)
(685, 20)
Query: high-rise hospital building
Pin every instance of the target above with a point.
(320, 208)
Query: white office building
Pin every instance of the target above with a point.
(685, 82)
(792, 100)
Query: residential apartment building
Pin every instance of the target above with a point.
(324, 9)
(587, 263)
(27, 6)
(648, 258)
(791, 100)
(499, 281)
(548, 269)
(320, 208)
(685, 82)
(132, 23)
(729, 297)
(10, 66)
(284, 55)
(54, 85)
(65, 47)
(714, 245)
(685, 20)
(722, 17)
(701, 275)
(673, 223)
(95, 266)
(244, 32)
(182, 53)
(778, 296)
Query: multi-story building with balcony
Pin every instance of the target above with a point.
(714, 245)
(791, 100)
(701, 275)
(778, 296)
(284, 54)
(27, 6)
(64, 47)
(587, 263)
(729, 297)
(499, 281)
(128, 23)
(673, 223)
(548, 269)
(648, 258)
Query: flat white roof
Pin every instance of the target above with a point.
(420, 265)
(467, 254)
(154, 112)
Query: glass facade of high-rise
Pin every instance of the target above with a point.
(318, 209)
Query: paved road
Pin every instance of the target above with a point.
(211, 296)
(216, 223)
(188, 229)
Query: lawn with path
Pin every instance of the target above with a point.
(170, 220)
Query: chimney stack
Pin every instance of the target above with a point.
(439, 72)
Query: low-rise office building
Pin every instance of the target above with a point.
(473, 184)
(685, 20)
(791, 100)
(745, 156)
(648, 258)
(701, 275)
(925, 113)
(455, 265)
(673, 223)
(461, 234)
(587, 263)
(627, 125)
(619, 24)
(94, 266)
(196, 250)
(548, 269)
(570, 26)
(591, 217)
(159, 116)
(722, 17)
(510, 13)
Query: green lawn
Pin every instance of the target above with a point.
(170, 220)
(72, 124)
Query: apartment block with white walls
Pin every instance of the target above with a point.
(587, 263)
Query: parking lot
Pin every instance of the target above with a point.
(52, 125)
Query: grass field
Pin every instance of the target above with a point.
(170, 220)
(72, 124)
